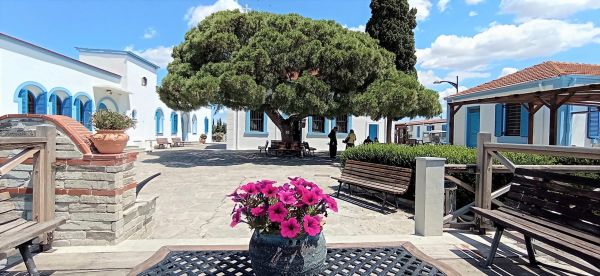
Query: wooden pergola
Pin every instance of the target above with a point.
(585, 95)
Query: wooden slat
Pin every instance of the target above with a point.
(7, 226)
(565, 178)
(381, 166)
(579, 213)
(22, 140)
(460, 183)
(517, 179)
(18, 228)
(374, 185)
(579, 152)
(4, 196)
(564, 199)
(375, 182)
(381, 172)
(8, 217)
(504, 161)
(17, 159)
(380, 178)
(8, 241)
(6, 206)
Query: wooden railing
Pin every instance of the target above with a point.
(484, 169)
(42, 150)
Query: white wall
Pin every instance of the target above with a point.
(238, 140)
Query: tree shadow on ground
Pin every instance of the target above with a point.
(190, 158)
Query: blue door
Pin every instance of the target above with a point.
(472, 126)
(373, 130)
(184, 128)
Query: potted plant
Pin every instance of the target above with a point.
(203, 138)
(110, 137)
(287, 221)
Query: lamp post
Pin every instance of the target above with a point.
(455, 84)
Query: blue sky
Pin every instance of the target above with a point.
(476, 39)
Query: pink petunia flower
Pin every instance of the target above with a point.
(278, 212)
(250, 188)
(312, 225)
(269, 191)
(290, 228)
(318, 191)
(331, 203)
(236, 217)
(309, 198)
(287, 197)
(259, 211)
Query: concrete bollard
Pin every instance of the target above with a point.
(429, 196)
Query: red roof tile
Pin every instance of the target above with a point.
(546, 70)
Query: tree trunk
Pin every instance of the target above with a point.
(290, 129)
(388, 132)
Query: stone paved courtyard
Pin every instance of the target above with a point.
(194, 183)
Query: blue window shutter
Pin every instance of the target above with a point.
(524, 121)
(593, 123)
(67, 107)
(77, 104)
(418, 131)
(499, 124)
(444, 127)
(40, 103)
(24, 100)
(53, 104)
(206, 125)
(87, 115)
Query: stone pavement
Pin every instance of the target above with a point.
(192, 191)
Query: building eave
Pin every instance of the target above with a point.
(118, 52)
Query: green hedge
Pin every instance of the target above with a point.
(404, 156)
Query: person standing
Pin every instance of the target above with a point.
(333, 142)
(350, 139)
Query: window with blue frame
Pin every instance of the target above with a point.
(159, 121)
(429, 128)
(205, 125)
(194, 125)
(174, 119)
(511, 120)
(341, 122)
(30, 104)
(257, 121)
(318, 124)
(593, 123)
(445, 127)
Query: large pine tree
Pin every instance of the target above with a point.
(392, 23)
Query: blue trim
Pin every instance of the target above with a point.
(418, 131)
(117, 52)
(593, 123)
(373, 127)
(159, 120)
(55, 54)
(174, 121)
(326, 128)
(62, 89)
(110, 100)
(76, 107)
(348, 124)
(206, 125)
(252, 133)
(469, 143)
(102, 106)
(22, 86)
(512, 139)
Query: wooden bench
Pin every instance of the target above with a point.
(381, 178)
(560, 210)
(177, 142)
(163, 143)
(264, 148)
(16, 232)
(308, 149)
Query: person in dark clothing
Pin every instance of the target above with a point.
(368, 140)
(333, 142)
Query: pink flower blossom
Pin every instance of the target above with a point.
(250, 188)
(259, 211)
(312, 225)
(269, 191)
(331, 203)
(290, 228)
(278, 212)
(318, 191)
(287, 197)
(236, 218)
(309, 198)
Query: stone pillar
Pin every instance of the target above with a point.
(429, 196)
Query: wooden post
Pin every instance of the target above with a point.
(451, 122)
(553, 122)
(43, 180)
(531, 115)
(483, 188)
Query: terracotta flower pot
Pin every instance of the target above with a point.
(110, 141)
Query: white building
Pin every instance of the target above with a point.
(420, 130)
(36, 80)
(508, 123)
(246, 130)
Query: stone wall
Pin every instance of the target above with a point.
(94, 192)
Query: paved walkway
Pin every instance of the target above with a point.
(192, 191)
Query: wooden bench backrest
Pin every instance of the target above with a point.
(560, 198)
(390, 175)
(9, 219)
(162, 140)
(176, 139)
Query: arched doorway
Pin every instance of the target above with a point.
(185, 126)
(60, 101)
(83, 109)
(159, 119)
(32, 98)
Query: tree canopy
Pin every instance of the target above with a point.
(277, 63)
(392, 23)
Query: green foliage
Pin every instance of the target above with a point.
(111, 120)
(219, 127)
(392, 23)
(218, 137)
(392, 96)
(264, 61)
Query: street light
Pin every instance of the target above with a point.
(455, 84)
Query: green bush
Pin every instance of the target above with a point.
(218, 136)
(111, 120)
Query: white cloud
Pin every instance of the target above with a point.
(445, 93)
(198, 13)
(160, 55)
(442, 5)
(423, 8)
(359, 28)
(473, 13)
(535, 38)
(149, 33)
(473, 2)
(507, 71)
(528, 9)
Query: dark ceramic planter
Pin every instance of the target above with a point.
(274, 255)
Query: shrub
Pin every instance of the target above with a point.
(111, 120)
(218, 136)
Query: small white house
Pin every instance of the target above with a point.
(421, 130)
(35, 80)
(576, 125)
(246, 130)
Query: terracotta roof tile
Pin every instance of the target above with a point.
(546, 70)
